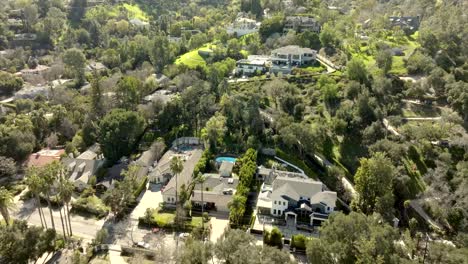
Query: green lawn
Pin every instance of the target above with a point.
(192, 58)
(407, 44)
(134, 11)
(114, 11)
(196, 221)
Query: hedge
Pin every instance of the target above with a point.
(91, 205)
(298, 242)
(203, 163)
(140, 188)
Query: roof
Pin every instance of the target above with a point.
(44, 157)
(226, 167)
(303, 187)
(293, 49)
(216, 184)
(91, 153)
(327, 197)
(39, 68)
(81, 169)
(138, 22)
(185, 176)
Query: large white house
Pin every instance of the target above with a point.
(243, 26)
(253, 64)
(285, 58)
(294, 196)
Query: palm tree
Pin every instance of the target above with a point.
(201, 179)
(176, 167)
(49, 174)
(6, 203)
(35, 185)
(66, 191)
(237, 208)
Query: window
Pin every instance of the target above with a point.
(274, 211)
(279, 212)
(274, 202)
(328, 208)
(284, 203)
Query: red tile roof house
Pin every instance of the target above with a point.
(44, 157)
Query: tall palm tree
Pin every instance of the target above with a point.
(49, 174)
(176, 167)
(201, 179)
(35, 185)
(6, 203)
(66, 191)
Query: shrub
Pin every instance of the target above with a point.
(299, 242)
(273, 238)
(91, 205)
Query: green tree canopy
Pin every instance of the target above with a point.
(119, 130)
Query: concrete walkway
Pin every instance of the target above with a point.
(114, 255)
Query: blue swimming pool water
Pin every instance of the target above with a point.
(228, 159)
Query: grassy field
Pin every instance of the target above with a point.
(407, 44)
(192, 58)
(133, 11)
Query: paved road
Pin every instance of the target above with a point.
(85, 228)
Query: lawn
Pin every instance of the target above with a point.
(196, 221)
(164, 219)
(193, 59)
(133, 11)
(407, 44)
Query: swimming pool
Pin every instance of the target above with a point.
(228, 159)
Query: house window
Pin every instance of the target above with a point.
(279, 212)
(328, 208)
(274, 202)
(284, 203)
(274, 211)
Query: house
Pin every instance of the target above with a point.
(252, 65)
(409, 24)
(225, 170)
(44, 157)
(80, 170)
(30, 92)
(162, 96)
(139, 23)
(301, 24)
(243, 26)
(285, 58)
(95, 66)
(190, 158)
(217, 192)
(30, 75)
(296, 198)
(92, 153)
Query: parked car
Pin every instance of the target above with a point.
(184, 235)
(142, 244)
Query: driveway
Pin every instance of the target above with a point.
(150, 198)
(218, 225)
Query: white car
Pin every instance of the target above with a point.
(143, 244)
(184, 235)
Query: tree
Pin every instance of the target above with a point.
(7, 167)
(176, 167)
(30, 16)
(66, 188)
(270, 26)
(273, 238)
(237, 208)
(215, 130)
(97, 102)
(252, 6)
(317, 252)
(77, 10)
(357, 70)
(20, 244)
(370, 240)
(196, 252)
(161, 53)
(128, 92)
(328, 37)
(232, 244)
(384, 59)
(119, 130)
(6, 203)
(36, 185)
(9, 83)
(373, 182)
(75, 62)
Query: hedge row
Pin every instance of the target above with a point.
(90, 205)
(203, 163)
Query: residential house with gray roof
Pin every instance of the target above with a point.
(295, 197)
